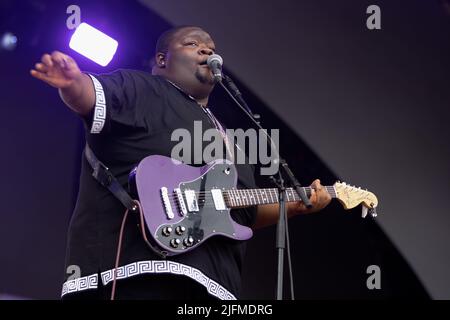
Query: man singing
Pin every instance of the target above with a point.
(129, 115)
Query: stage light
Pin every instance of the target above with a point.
(93, 44)
(8, 41)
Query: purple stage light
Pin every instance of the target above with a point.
(93, 44)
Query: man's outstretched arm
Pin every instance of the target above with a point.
(62, 72)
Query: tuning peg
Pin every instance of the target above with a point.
(373, 212)
(364, 211)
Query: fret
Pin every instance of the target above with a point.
(238, 199)
(287, 195)
(238, 195)
(241, 197)
(271, 197)
(244, 195)
(263, 194)
(227, 198)
(231, 197)
(234, 197)
(252, 197)
(331, 191)
(257, 197)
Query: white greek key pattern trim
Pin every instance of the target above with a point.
(165, 266)
(100, 107)
(80, 284)
(152, 267)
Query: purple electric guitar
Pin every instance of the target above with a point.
(184, 206)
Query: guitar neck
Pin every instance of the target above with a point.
(251, 197)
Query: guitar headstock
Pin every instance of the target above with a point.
(351, 196)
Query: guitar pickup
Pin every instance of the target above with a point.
(191, 199)
(183, 210)
(217, 196)
(166, 203)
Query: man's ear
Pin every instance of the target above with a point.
(161, 60)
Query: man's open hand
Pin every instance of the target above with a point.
(58, 70)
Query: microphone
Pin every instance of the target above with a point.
(215, 63)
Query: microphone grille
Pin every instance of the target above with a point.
(214, 58)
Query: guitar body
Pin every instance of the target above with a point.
(179, 213)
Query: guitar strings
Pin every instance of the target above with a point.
(242, 193)
(207, 199)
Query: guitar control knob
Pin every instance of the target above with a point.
(180, 229)
(174, 243)
(166, 231)
(189, 241)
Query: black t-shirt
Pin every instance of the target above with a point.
(134, 117)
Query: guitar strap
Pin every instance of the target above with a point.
(104, 176)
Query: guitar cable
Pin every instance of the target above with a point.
(119, 245)
(119, 248)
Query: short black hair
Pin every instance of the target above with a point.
(164, 40)
(162, 45)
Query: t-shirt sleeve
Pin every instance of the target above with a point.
(116, 101)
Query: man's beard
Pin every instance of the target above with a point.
(205, 77)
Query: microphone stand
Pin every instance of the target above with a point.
(238, 96)
(282, 225)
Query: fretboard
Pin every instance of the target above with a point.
(252, 197)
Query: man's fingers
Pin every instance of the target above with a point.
(59, 58)
(41, 67)
(316, 184)
(38, 75)
(42, 76)
(47, 60)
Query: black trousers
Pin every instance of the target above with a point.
(147, 287)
